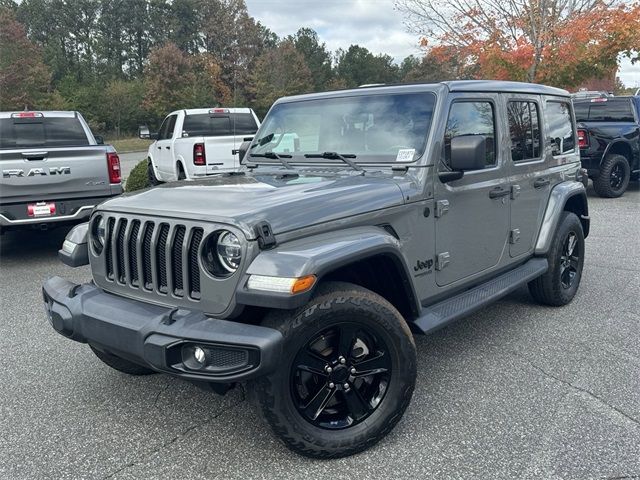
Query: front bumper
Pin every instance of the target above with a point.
(160, 337)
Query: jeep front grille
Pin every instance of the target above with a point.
(154, 256)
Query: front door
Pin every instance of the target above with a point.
(530, 178)
(472, 223)
(164, 157)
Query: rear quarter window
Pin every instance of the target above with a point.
(42, 132)
(559, 127)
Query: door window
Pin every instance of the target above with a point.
(166, 129)
(560, 127)
(524, 129)
(471, 118)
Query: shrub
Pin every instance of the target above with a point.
(138, 178)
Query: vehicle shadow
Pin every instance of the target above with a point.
(32, 245)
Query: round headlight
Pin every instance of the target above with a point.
(222, 253)
(99, 232)
(229, 251)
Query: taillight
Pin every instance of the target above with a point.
(113, 165)
(583, 139)
(199, 157)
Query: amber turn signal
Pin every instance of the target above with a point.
(303, 284)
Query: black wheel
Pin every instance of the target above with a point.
(120, 364)
(347, 373)
(614, 177)
(181, 174)
(153, 180)
(559, 285)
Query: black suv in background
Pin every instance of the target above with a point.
(609, 139)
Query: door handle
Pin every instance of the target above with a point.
(159, 147)
(167, 148)
(498, 192)
(541, 182)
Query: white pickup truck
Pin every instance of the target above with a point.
(198, 142)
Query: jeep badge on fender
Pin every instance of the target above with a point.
(305, 274)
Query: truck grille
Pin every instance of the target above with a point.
(154, 256)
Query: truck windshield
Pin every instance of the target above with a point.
(604, 111)
(219, 125)
(41, 132)
(368, 128)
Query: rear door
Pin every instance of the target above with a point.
(49, 157)
(529, 175)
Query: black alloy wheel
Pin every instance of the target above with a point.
(569, 260)
(340, 376)
(616, 178)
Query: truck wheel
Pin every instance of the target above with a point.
(559, 285)
(153, 180)
(614, 177)
(348, 370)
(181, 174)
(120, 364)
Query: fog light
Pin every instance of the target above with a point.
(200, 355)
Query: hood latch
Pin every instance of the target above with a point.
(266, 240)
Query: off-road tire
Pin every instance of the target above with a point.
(181, 174)
(602, 184)
(151, 174)
(121, 364)
(272, 394)
(548, 289)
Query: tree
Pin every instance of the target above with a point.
(176, 80)
(316, 56)
(279, 72)
(120, 105)
(559, 42)
(358, 66)
(431, 68)
(24, 78)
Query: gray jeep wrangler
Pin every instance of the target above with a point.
(360, 217)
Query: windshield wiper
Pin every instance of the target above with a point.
(262, 141)
(337, 156)
(275, 156)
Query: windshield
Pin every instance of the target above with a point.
(371, 128)
(41, 132)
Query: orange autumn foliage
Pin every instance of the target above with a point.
(564, 52)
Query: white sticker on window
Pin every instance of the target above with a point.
(405, 154)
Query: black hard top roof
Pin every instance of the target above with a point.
(503, 86)
(470, 86)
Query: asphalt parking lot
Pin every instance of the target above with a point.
(515, 391)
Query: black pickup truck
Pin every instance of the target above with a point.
(609, 140)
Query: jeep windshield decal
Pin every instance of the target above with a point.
(371, 128)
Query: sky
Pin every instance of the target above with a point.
(373, 24)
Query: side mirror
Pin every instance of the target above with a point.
(143, 132)
(468, 152)
(99, 139)
(242, 151)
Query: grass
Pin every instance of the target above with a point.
(133, 144)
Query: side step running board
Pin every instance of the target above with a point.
(439, 314)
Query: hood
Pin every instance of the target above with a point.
(287, 202)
